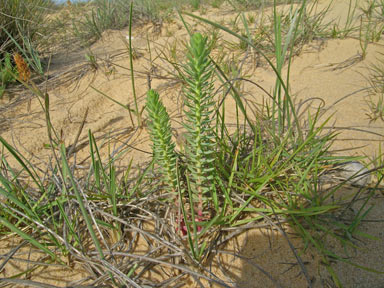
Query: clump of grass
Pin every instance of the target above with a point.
(371, 24)
(376, 107)
(20, 29)
(375, 101)
(309, 24)
(253, 4)
(217, 3)
(92, 60)
(19, 19)
(103, 15)
(112, 14)
(373, 19)
(378, 162)
(195, 4)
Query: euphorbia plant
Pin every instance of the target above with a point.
(199, 149)
(198, 110)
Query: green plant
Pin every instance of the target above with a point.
(349, 26)
(195, 4)
(7, 72)
(253, 4)
(217, 3)
(92, 60)
(375, 101)
(106, 14)
(199, 108)
(373, 20)
(161, 136)
(312, 24)
(138, 114)
(20, 29)
(199, 150)
(270, 165)
(259, 168)
(363, 39)
(28, 53)
(20, 19)
(376, 107)
(251, 18)
(243, 45)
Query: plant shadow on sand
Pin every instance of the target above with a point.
(271, 262)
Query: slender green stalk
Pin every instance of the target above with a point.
(24, 163)
(138, 114)
(27, 237)
(80, 200)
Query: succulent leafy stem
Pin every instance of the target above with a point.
(198, 110)
(161, 136)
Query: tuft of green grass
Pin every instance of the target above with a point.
(195, 4)
(92, 60)
(217, 3)
(103, 15)
(21, 28)
(375, 100)
(373, 19)
(20, 19)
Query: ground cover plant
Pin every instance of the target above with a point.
(263, 169)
